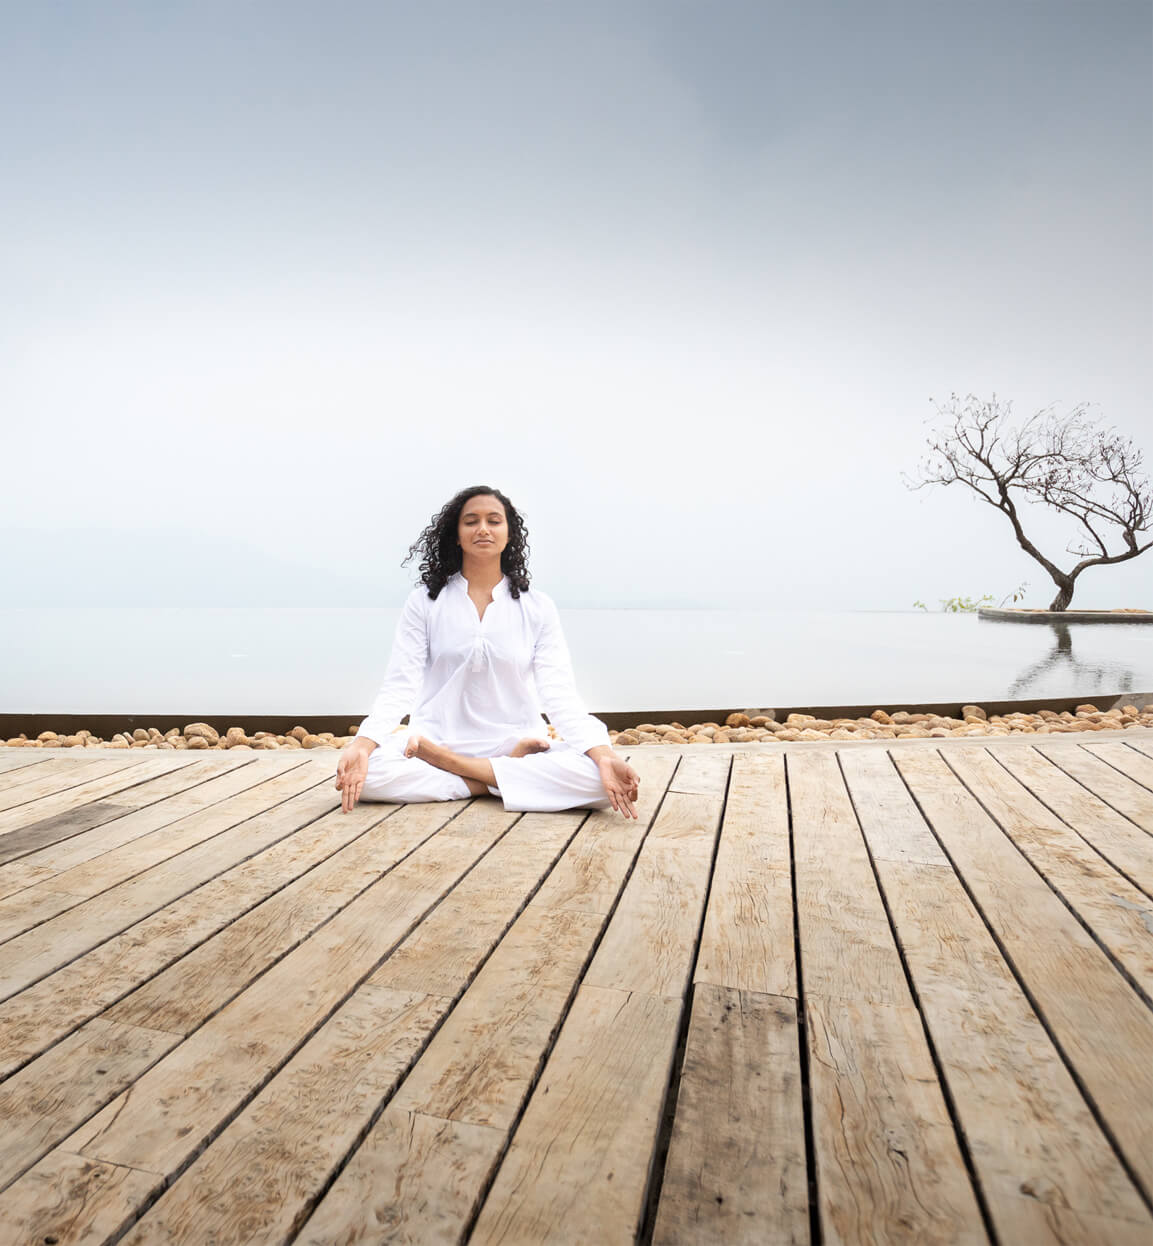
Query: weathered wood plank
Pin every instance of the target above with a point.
(15, 876)
(69, 1199)
(43, 1102)
(589, 875)
(847, 948)
(15, 826)
(1141, 743)
(218, 970)
(183, 1101)
(702, 772)
(20, 759)
(1118, 914)
(417, 1170)
(747, 939)
(54, 819)
(735, 1173)
(1097, 1019)
(651, 939)
(425, 1153)
(61, 774)
(46, 947)
(244, 908)
(261, 1177)
(1123, 794)
(442, 954)
(476, 1072)
(1027, 1126)
(83, 865)
(1122, 844)
(577, 1167)
(154, 805)
(1128, 761)
(256, 1173)
(889, 1165)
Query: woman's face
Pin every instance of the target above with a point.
(483, 527)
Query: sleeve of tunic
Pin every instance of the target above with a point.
(552, 673)
(405, 674)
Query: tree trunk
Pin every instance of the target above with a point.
(1064, 594)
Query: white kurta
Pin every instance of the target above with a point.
(478, 685)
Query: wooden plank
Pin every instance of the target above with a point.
(42, 1206)
(15, 876)
(747, 939)
(847, 948)
(481, 1063)
(448, 1157)
(651, 939)
(108, 856)
(1128, 761)
(42, 1102)
(476, 1074)
(1027, 1126)
(13, 759)
(441, 956)
(46, 947)
(894, 830)
(260, 1178)
(888, 1164)
(736, 1173)
(260, 892)
(578, 1164)
(28, 827)
(202, 982)
(183, 1101)
(154, 804)
(1119, 792)
(1140, 743)
(1122, 844)
(1114, 910)
(61, 774)
(589, 876)
(1102, 1027)
(269, 1181)
(702, 772)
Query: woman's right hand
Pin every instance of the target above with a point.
(352, 770)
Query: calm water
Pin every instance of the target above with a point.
(282, 661)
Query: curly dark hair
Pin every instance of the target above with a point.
(438, 548)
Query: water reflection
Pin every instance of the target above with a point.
(1061, 658)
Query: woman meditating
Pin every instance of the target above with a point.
(477, 656)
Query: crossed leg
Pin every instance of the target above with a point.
(477, 772)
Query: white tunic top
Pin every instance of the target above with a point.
(476, 684)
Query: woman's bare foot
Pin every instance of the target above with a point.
(414, 746)
(530, 744)
(476, 771)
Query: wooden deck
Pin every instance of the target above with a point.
(867, 993)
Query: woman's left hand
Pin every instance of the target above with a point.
(621, 783)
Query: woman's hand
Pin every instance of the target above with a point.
(352, 770)
(619, 780)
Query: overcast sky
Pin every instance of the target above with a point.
(681, 278)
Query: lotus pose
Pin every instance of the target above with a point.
(477, 656)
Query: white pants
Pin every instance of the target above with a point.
(548, 782)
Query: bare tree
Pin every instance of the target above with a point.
(1069, 462)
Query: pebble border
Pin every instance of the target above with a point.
(881, 725)
(736, 729)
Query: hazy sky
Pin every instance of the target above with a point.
(681, 278)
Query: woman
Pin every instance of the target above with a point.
(474, 650)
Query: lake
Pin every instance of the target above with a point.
(245, 662)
